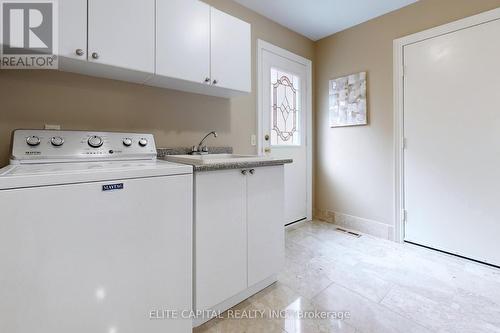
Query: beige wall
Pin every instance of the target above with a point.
(354, 165)
(30, 99)
(354, 172)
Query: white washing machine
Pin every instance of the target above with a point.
(95, 235)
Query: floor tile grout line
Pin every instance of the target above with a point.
(410, 319)
(388, 291)
(383, 305)
(332, 282)
(309, 299)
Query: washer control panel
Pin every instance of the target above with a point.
(37, 146)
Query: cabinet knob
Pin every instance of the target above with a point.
(252, 171)
(243, 172)
(214, 81)
(95, 55)
(79, 52)
(207, 80)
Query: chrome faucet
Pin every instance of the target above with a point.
(201, 149)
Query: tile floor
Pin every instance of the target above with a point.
(384, 286)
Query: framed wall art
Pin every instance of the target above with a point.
(347, 100)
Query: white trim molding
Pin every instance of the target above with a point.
(398, 85)
(356, 223)
(261, 46)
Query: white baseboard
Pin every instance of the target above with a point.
(365, 226)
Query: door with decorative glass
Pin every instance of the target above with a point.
(283, 86)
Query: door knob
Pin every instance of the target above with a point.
(243, 172)
(95, 55)
(267, 150)
(79, 52)
(266, 137)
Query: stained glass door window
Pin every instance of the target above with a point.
(285, 108)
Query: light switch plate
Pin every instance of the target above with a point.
(253, 140)
(52, 127)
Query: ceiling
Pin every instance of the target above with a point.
(316, 19)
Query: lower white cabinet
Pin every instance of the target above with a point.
(265, 231)
(220, 236)
(239, 234)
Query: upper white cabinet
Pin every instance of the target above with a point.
(230, 51)
(183, 40)
(178, 44)
(73, 31)
(201, 49)
(121, 33)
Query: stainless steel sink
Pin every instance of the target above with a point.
(215, 158)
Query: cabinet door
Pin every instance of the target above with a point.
(230, 52)
(220, 236)
(73, 29)
(265, 195)
(183, 40)
(121, 33)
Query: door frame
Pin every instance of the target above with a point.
(265, 46)
(398, 102)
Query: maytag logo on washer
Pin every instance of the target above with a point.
(29, 38)
(112, 187)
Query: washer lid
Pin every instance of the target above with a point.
(30, 175)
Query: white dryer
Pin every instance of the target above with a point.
(95, 235)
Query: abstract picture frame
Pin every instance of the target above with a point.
(347, 104)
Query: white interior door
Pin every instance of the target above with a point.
(452, 156)
(284, 85)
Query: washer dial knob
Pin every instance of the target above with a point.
(57, 141)
(95, 141)
(127, 142)
(143, 142)
(33, 140)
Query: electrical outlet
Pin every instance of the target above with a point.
(253, 140)
(52, 127)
